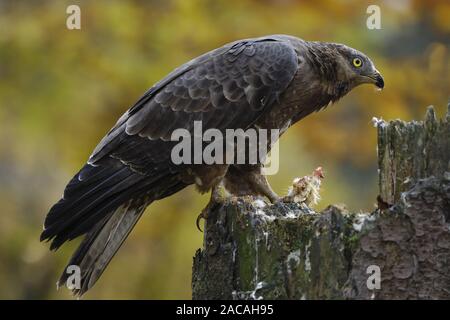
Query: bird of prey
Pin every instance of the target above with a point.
(267, 82)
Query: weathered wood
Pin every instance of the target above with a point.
(279, 252)
(408, 151)
(288, 251)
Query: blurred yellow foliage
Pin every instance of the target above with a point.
(61, 90)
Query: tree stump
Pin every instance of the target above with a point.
(288, 251)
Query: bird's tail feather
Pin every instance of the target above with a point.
(93, 194)
(100, 245)
(104, 203)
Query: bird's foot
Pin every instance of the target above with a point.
(286, 199)
(217, 198)
(203, 215)
(234, 200)
(205, 212)
(274, 198)
(289, 199)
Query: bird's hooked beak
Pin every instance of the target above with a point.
(377, 79)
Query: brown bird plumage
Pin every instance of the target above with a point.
(268, 82)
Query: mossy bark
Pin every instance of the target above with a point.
(288, 251)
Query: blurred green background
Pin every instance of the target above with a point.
(61, 90)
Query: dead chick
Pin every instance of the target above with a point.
(306, 189)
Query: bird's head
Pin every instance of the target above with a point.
(355, 68)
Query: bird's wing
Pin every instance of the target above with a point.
(227, 88)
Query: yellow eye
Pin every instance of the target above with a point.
(357, 62)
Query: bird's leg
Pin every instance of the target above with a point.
(243, 180)
(216, 198)
(262, 186)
